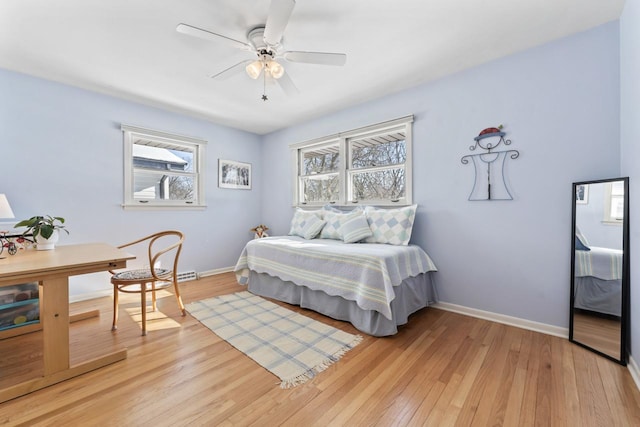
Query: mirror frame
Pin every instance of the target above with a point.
(624, 317)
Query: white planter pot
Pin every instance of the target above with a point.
(43, 244)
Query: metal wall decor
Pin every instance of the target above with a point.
(489, 182)
(13, 242)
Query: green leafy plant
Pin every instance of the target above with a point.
(42, 225)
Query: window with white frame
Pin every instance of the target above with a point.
(369, 165)
(614, 202)
(162, 169)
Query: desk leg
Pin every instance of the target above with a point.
(54, 316)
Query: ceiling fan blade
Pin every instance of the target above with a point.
(287, 85)
(323, 58)
(279, 13)
(226, 73)
(208, 35)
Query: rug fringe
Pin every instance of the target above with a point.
(311, 373)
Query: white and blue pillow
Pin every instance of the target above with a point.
(303, 222)
(355, 228)
(312, 227)
(390, 226)
(335, 219)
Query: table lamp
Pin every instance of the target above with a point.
(5, 208)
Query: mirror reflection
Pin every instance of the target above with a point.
(599, 266)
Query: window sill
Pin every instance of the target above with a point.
(147, 207)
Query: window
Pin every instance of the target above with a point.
(368, 165)
(614, 202)
(162, 170)
(319, 178)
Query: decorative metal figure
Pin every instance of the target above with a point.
(10, 245)
(496, 188)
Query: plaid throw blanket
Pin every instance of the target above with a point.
(291, 346)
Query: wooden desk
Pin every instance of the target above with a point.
(52, 270)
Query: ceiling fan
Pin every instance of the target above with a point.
(265, 42)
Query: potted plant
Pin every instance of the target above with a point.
(44, 230)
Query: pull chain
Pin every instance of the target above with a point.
(264, 85)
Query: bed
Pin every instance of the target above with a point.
(373, 286)
(598, 280)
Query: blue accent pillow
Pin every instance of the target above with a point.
(581, 246)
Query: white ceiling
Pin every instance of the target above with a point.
(130, 49)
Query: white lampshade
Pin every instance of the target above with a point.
(275, 69)
(5, 208)
(254, 69)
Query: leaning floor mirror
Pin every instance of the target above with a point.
(599, 308)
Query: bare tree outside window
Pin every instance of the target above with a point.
(320, 167)
(181, 188)
(315, 162)
(371, 164)
(379, 179)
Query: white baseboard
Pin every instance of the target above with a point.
(507, 320)
(90, 295)
(635, 371)
(215, 271)
(108, 292)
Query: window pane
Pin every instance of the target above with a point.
(323, 189)
(617, 207)
(387, 184)
(321, 160)
(148, 157)
(617, 188)
(155, 186)
(371, 152)
(371, 163)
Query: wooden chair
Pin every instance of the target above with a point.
(168, 243)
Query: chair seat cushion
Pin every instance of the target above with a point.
(141, 274)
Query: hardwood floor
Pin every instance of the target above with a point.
(441, 369)
(598, 332)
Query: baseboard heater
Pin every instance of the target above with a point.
(185, 276)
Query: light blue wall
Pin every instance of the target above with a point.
(62, 154)
(630, 152)
(559, 104)
(61, 150)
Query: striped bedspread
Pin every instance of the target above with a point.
(603, 263)
(362, 272)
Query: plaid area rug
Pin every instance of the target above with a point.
(289, 345)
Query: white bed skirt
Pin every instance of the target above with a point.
(412, 294)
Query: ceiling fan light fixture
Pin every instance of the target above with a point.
(275, 69)
(254, 69)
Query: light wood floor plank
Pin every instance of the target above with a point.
(441, 369)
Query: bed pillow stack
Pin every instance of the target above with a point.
(369, 225)
(306, 224)
(390, 226)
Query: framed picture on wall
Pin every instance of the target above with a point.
(232, 174)
(582, 194)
